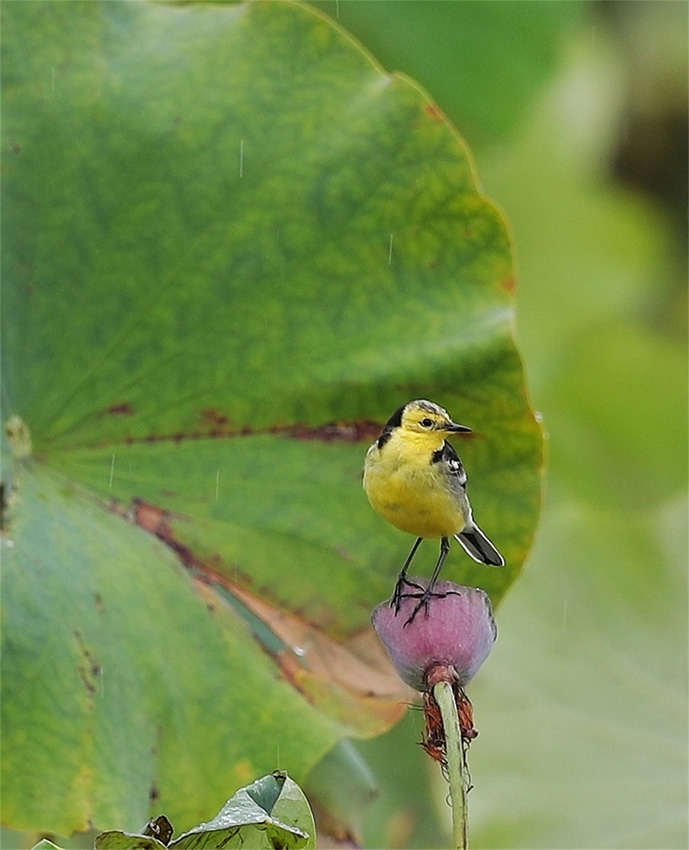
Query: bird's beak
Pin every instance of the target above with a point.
(455, 428)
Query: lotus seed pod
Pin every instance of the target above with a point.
(456, 631)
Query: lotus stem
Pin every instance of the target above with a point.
(457, 779)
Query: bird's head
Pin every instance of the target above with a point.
(426, 417)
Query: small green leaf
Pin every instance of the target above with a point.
(292, 807)
(115, 839)
(271, 812)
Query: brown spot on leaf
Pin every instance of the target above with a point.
(4, 504)
(120, 408)
(88, 668)
(15, 147)
(211, 416)
(434, 112)
(149, 516)
(350, 431)
(88, 682)
(509, 284)
(345, 431)
(156, 520)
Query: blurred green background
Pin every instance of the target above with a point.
(576, 115)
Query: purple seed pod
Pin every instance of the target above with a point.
(456, 635)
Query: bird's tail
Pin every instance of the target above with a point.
(479, 547)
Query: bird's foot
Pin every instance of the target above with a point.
(399, 593)
(424, 599)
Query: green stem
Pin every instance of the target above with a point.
(445, 698)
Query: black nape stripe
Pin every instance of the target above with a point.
(393, 422)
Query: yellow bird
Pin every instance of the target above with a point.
(414, 478)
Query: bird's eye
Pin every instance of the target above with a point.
(426, 423)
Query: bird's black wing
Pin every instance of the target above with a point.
(452, 464)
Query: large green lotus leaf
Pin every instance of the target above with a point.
(234, 246)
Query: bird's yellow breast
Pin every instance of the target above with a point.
(410, 491)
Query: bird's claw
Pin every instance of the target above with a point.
(398, 594)
(422, 603)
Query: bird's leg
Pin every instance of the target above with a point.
(444, 550)
(402, 578)
(428, 592)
